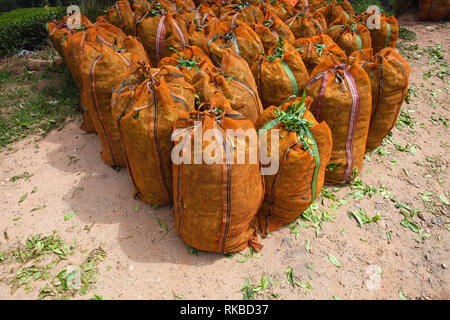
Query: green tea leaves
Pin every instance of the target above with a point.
(333, 260)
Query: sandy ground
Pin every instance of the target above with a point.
(142, 264)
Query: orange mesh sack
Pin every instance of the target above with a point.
(181, 91)
(216, 200)
(303, 152)
(57, 31)
(145, 113)
(73, 46)
(242, 97)
(387, 33)
(243, 11)
(280, 74)
(122, 16)
(235, 34)
(236, 66)
(389, 74)
(100, 71)
(199, 27)
(190, 60)
(342, 98)
(271, 29)
(283, 9)
(235, 81)
(433, 10)
(73, 50)
(159, 31)
(350, 36)
(104, 33)
(315, 49)
(306, 25)
(336, 9)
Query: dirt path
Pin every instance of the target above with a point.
(376, 261)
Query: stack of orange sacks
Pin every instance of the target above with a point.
(310, 75)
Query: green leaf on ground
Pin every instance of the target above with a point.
(22, 198)
(70, 215)
(333, 260)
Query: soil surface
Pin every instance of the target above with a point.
(377, 261)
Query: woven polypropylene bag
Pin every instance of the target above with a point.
(145, 111)
(100, 72)
(315, 49)
(305, 24)
(160, 31)
(302, 157)
(350, 35)
(337, 9)
(233, 34)
(215, 204)
(280, 75)
(389, 75)
(342, 98)
(190, 60)
(271, 29)
(57, 31)
(122, 16)
(73, 50)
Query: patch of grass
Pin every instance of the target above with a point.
(26, 111)
(404, 120)
(25, 175)
(249, 291)
(35, 262)
(4, 75)
(406, 34)
(361, 216)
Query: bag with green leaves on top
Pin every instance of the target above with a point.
(303, 153)
(280, 74)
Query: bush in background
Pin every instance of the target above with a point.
(25, 29)
(7, 5)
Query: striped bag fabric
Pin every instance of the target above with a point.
(342, 98)
(335, 9)
(100, 71)
(121, 15)
(282, 8)
(350, 35)
(145, 107)
(190, 60)
(73, 50)
(160, 31)
(243, 11)
(216, 200)
(389, 75)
